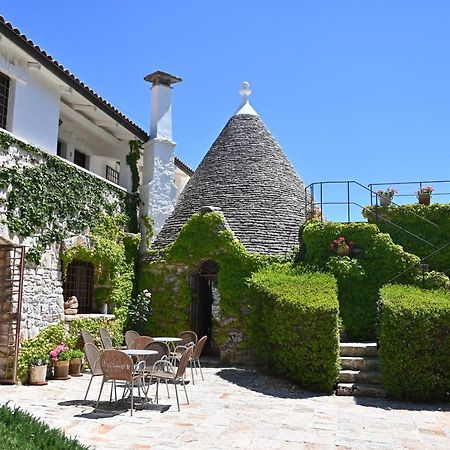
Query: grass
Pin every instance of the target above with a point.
(20, 430)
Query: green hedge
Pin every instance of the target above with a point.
(415, 342)
(20, 430)
(296, 326)
(359, 278)
(411, 218)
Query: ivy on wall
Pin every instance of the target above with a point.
(50, 199)
(411, 218)
(203, 237)
(113, 256)
(132, 160)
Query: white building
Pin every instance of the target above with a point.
(43, 104)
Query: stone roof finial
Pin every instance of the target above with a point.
(245, 90)
(245, 107)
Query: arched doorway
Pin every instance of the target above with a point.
(205, 300)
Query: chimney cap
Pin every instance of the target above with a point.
(164, 78)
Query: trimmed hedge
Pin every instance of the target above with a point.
(409, 217)
(360, 277)
(296, 325)
(20, 430)
(415, 342)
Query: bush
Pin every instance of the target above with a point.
(415, 342)
(411, 218)
(53, 335)
(376, 261)
(20, 430)
(296, 329)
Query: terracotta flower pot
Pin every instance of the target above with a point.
(75, 367)
(424, 199)
(61, 370)
(38, 374)
(343, 250)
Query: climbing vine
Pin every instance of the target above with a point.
(49, 199)
(132, 160)
(114, 269)
(204, 237)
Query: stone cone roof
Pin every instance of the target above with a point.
(245, 174)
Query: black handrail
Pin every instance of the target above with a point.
(309, 197)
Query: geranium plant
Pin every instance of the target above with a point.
(341, 242)
(60, 353)
(389, 192)
(427, 190)
(39, 360)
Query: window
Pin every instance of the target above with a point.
(80, 283)
(112, 175)
(80, 159)
(4, 95)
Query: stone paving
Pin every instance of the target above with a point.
(236, 408)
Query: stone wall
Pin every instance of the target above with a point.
(42, 299)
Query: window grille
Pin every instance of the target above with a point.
(4, 95)
(80, 283)
(80, 159)
(112, 175)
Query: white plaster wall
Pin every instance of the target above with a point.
(35, 113)
(33, 106)
(181, 179)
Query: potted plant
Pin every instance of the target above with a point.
(38, 369)
(341, 247)
(76, 360)
(424, 195)
(60, 356)
(386, 196)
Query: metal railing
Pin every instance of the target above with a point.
(407, 190)
(315, 203)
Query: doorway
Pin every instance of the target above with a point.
(204, 299)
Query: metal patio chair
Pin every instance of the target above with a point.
(92, 354)
(106, 339)
(118, 366)
(188, 338)
(130, 337)
(164, 370)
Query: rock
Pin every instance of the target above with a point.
(71, 311)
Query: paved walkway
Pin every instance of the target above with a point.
(237, 408)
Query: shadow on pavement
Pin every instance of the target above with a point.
(264, 384)
(388, 404)
(111, 409)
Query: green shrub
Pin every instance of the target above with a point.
(411, 218)
(53, 335)
(20, 430)
(359, 277)
(296, 326)
(415, 342)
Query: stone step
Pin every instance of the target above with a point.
(358, 348)
(359, 363)
(360, 390)
(360, 376)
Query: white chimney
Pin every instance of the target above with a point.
(158, 190)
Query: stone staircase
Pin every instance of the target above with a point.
(360, 370)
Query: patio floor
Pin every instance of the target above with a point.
(236, 408)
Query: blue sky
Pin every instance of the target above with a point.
(350, 89)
